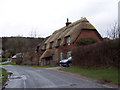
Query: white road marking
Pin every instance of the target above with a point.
(24, 78)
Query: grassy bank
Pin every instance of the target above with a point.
(13, 63)
(40, 66)
(9, 63)
(104, 73)
(3, 75)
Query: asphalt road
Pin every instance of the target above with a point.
(36, 77)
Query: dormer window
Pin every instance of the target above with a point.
(37, 49)
(68, 39)
(59, 41)
(45, 46)
(51, 44)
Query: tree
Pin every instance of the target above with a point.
(34, 33)
(114, 31)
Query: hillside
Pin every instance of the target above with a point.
(13, 45)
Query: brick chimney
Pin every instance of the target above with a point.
(67, 23)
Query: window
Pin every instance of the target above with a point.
(37, 48)
(40, 60)
(61, 56)
(68, 39)
(54, 57)
(44, 62)
(69, 54)
(51, 44)
(45, 46)
(59, 41)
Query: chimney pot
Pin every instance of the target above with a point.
(67, 20)
(67, 23)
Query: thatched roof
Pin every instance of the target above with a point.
(72, 30)
(47, 53)
(41, 45)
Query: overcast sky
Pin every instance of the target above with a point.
(21, 17)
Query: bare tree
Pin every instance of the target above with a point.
(114, 31)
(119, 31)
(34, 33)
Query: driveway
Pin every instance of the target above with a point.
(37, 77)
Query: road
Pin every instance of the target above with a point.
(36, 77)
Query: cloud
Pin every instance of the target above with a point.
(21, 16)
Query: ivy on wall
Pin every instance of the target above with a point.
(86, 41)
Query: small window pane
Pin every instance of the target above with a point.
(51, 45)
(40, 60)
(68, 39)
(69, 54)
(54, 57)
(59, 41)
(61, 56)
(45, 46)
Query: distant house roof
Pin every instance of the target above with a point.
(18, 55)
(14, 56)
(47, 53)
(41, 45)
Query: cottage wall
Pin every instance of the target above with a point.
(64, 50)
(13, 59)
(36, 57)
(89, 34)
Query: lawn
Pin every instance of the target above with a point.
(108, 74)
(3, 75)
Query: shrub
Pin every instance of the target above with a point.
(4, 59)
(19, 61)
(105, 53)
(86, 41)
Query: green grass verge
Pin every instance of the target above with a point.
(4, 59)
(0, 59)
(40, 66)
(109, 74)
(9, 63)
(13, 63)
(4, 75)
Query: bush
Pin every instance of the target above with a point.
(99, 54)
(19, 61)
(86, 41)
(4, 59)
(28, 62)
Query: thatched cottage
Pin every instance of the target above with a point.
(61, 43)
